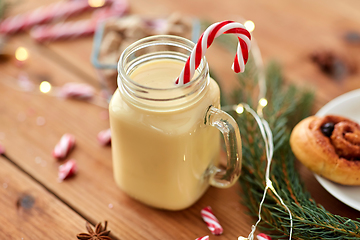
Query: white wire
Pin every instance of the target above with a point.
(269, 150)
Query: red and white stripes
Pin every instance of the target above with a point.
(104, 137)
(211, 221)
(62, 149)
(42, 15)
(65, 30)
(263, 236)
(117, 8)
(67, 170)
(77, 90)
(75, 29)
(207, 38)
(203, 238)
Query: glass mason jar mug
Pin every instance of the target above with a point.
(165, 138)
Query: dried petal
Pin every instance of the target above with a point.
(105, 238)
(84, 236)
(105, 233)
(89, 228)
(105, 225)
(98, 228)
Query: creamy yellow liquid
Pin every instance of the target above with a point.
(160, 157)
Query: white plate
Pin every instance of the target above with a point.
(347, 105)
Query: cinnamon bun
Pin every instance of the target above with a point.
(329, 146)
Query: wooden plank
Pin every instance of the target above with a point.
(319, 25)
(93, 189)
(78, 51)
(28, 211)
(289, 32)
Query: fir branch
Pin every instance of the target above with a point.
(286, 106)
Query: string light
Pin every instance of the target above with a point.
(249, 25)
(21, 54)
(263, 102)
(270, 185)
(96, 3)
(239, 109)
(45, 87)
(269, 151)
(264, 130)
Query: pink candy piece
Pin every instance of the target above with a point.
(207, 38)
(67, 170)
(104, 137)
(203, 238)
(77, 90)
(64, 146)
(263, 236)
(62, 9)
(211, 221)
(2, 149)
(75, 29)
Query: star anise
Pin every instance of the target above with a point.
(99, 233)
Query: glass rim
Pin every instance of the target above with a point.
(145, 42)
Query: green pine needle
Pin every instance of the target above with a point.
(286, 107)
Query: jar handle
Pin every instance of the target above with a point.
(230, 130)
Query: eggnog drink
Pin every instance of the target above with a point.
(161, 157)
(165, 137)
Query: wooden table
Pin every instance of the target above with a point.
(34, 205)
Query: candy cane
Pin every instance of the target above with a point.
(75, 29)
(207, 38)
(67, 170)
(263, 236)
(104, 137)
(117, 8)
(211, 221)
(203, 238)
(66, 143)
(42, 15)
(77, 90)
(65, 30)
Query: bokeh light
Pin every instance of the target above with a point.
(45, 87)
(240, 109)
(96, 3)
(263, 102)
(249, 25)
(21, 54)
